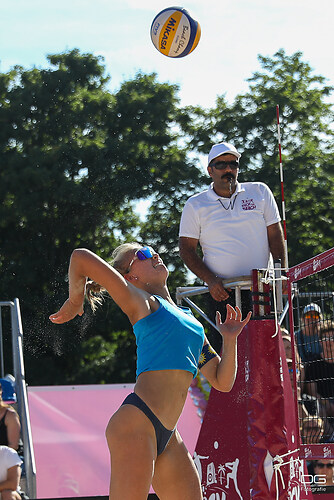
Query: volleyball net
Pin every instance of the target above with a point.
(311, 317)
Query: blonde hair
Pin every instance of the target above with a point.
(120, 261)
(120, 256)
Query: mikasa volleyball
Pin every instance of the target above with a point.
(174, 32)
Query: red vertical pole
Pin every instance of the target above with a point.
(282, 186)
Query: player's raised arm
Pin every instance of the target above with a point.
(84, 264)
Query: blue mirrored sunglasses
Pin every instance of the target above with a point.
(142, 254)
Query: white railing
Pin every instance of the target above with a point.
(21, 391)
(239, 283)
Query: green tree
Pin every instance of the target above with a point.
(306, 116)
(73, 160)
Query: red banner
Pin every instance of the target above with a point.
(312, 266)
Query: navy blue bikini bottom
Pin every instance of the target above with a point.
(163, 435)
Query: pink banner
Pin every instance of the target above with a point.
(68, 425)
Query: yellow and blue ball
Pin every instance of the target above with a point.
(174, 32)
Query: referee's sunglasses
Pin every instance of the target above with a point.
(221, 165)
(142, 254)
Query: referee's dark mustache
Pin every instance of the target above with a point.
(228, 176)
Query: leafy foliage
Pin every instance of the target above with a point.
(306, 118)
(75, 159)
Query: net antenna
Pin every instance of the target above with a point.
(282, 186)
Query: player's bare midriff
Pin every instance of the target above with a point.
(165, 392)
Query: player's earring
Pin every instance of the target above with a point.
(129, 277)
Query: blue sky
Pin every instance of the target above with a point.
(234, 32)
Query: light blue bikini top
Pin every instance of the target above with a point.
(170, 338)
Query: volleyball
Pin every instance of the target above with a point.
(174, 32)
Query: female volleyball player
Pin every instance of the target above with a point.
(144, 444)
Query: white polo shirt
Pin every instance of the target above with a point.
(232, 231)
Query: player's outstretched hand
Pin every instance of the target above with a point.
(67, 312)
(233, 323)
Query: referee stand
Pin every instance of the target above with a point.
(247, 446)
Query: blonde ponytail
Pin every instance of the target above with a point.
(95, 294)
(121, 257)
